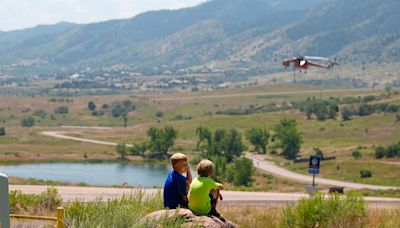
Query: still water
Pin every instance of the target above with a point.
(103, 174)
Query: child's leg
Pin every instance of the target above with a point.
(215, 197)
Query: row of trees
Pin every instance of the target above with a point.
(116, 109)
(360, 106)
(368, 109)
(390, 151)
(160, 142)
(224, 148)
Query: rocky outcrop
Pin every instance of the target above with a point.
(186, 218)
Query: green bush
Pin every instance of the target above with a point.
(2, 131)
(43, 203)
(320, 211)
(356, 154)
(380, 152)
(398, 118)
(159, 114)
(61, 110)
(91, 105)
(28, 121)
(243, 172)
(365, 173)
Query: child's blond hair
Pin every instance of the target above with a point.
(176, 158)
(205, 168)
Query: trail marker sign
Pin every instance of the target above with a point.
(313, 166)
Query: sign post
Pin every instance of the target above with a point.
(313, 167)
(4, 202)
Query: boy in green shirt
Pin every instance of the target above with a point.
(204, 191)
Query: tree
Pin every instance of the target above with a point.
(289, 137)
(243, 174)
(204, 136)
(2, 131)
(122, 151)
(388, 88)
(28, 121)
(91, 106)
(259, 138)
(161, 140)
(346, 114)
(220, 163)
(125, 118)
(232, 145)
(61, 110)
(138, 149)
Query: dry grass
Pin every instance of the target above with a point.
(253, 216)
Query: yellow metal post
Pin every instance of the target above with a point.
(60, 217)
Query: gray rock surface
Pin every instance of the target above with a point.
(186, 216)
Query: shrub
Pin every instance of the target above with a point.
(28, 121)
(43, 203)
(243, 174)
(356, 154)
(398, 118)
(365, 173)
(380, 152)
(159, 114)
(318, 211)
(392, 108)
(2, 131)
(61, 110)
(346, 114)
(91, 106)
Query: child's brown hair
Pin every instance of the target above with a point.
(176, 158)
(205, 168)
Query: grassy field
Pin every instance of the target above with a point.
(333, 137)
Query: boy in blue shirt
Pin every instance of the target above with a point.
(176, 185)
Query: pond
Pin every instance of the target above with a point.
(102, 174)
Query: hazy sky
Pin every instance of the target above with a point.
(17, 14)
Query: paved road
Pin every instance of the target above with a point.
(249, 198)
(260, 162)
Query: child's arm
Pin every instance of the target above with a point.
(188, 179)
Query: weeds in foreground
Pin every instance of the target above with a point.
(35, 204)
(330, 211)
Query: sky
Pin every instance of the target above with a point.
(19, 14)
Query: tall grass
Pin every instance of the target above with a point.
(124, 212)
(330, 211)
(36, 204)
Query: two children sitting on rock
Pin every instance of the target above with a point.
(203, 191)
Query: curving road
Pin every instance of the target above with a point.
(258, 161)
